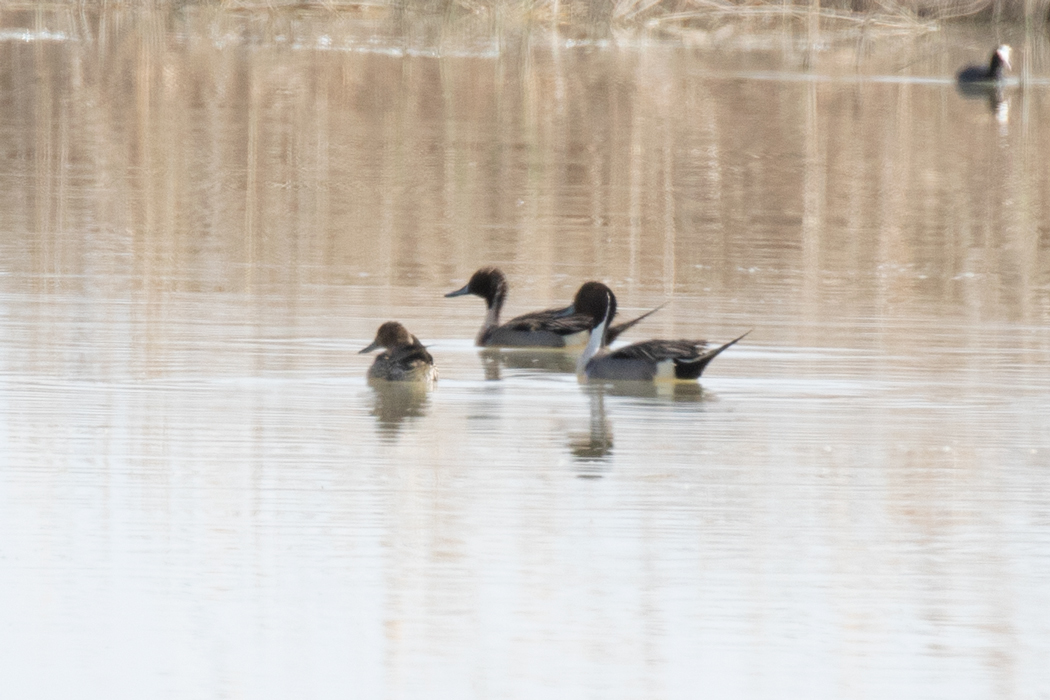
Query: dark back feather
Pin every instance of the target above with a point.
(660, 350)
(549, 320)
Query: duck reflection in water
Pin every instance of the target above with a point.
(542, 361)
(395, 402)
(592, 449)
(676, 392)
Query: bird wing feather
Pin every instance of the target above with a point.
(407, 355)
(661, 350)
(549, 320)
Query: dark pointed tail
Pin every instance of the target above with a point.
(615, 331)
(694, 368)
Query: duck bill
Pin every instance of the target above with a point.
(460, 292)
(370, 348)
(1004, 56)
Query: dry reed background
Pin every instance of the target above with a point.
(203, 151)
(217, 158)
(593, 17)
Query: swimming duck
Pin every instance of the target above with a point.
(405, 358)
(552, 328)
(992, 73)
(648, 361)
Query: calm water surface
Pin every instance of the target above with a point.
(205, 216)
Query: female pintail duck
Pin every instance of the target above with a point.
(552, 328)
(404, 360)
(648, 361)
(992, 73)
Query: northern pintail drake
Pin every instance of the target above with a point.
(992, 73)
(551, 328)
(648, 361)
(404, 359)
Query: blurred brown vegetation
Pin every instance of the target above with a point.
(601, 16)
(205, 142)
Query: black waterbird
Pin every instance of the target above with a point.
(992, 73)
